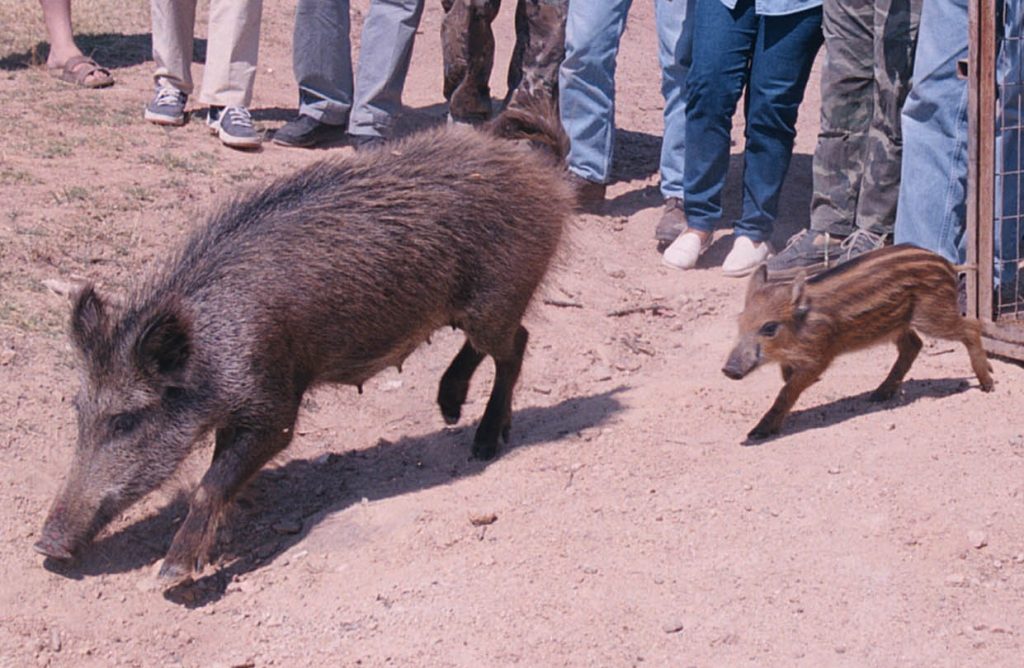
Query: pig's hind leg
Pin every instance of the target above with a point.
(455, 382)
(939, 316)
(909, 345)
(497, 419)
(239, 453)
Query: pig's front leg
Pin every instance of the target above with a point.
(797, 380)
(238, 455)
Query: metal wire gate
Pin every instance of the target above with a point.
(995, 183)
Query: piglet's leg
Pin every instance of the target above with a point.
(909, 345)
(797, 381)
(238, 455)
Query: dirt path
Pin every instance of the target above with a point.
(631, 528)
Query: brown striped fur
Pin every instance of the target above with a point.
(885, 295)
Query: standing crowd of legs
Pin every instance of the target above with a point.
(891, 154)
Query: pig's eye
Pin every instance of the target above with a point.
(769, 329)
(124, 423)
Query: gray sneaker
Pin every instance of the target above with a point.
(167, 107)
(812, 252)
(233, 125)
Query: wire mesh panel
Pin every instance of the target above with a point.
(1009, 171)
(996, 179)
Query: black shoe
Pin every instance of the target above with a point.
(672, 223)
(589, 194)
(305, 131)
(858, 243)
(366, 142)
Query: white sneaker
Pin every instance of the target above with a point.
(685, 250)
(746, 255)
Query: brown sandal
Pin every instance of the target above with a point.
(83, 71)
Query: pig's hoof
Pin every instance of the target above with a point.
(880, 395)
(988, 387)
(485, 450)
(760, 433)
(173, 574)
(451, 410)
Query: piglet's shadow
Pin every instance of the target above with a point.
(837, 412)
(281, 505)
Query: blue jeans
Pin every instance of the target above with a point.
(586, 82)
(322, 60)
(931, 212)
(771, 56)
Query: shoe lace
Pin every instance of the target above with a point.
(861, 240)
(239, 116)
(167, 96)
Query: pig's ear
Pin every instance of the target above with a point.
(757, 281)
(801, 302)
(89, 323)
(165, 344)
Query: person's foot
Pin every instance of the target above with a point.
(812, 252)
(807, 251)
(589, 194)
(167, 107)
(80, 70)
(684, 252)
(672, 223)
(305, 132)
(366, 142)
(746, 256)
(233, 125)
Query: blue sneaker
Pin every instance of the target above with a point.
(233, 125)
(167, 107)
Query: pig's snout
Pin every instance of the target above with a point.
(54, 543)
(732, 372)
(742, 360)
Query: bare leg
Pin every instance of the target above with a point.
(455, 382)
(497, 418)
(909, 345)
(798, 381)
(57, 14)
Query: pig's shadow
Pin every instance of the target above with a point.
(836, 412)
(282, 504)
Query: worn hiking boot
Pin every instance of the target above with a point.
(811, 252)
(306, 132)
(366, 142)
(672, 223)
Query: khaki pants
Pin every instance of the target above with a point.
(231, 50)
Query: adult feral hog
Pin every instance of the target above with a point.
(326, 276)
(880, 296)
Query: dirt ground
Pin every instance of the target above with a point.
(630, 527)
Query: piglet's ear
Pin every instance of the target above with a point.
(757, 281)
(89, 322)
(801, 302)
(165, 345)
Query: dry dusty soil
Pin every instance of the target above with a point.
(628, 526)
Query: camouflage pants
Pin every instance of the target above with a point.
(869, 57)
(468, 47)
